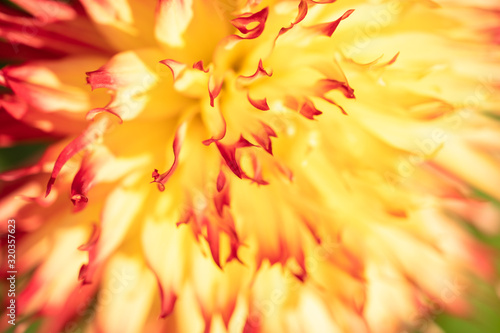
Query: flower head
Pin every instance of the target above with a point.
(310, 161)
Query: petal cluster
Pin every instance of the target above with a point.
(250, 166)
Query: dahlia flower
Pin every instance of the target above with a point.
(249, 166)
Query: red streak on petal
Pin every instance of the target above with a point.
(221, 200)
(94, 237)
(334, 103)
(241, 23)
(214, 88)
(185, 217)
(221, 134)
(312, 230)
(84, 274)
(233, 255)
(327, 29)
(326, 85)
(101, 78)
(94, 112)
(260, 104)
(302, 13)
(393, 60)
(213, 239)
(199, 66)
(84, 179)
(180, 135)
(285, 171)
(264, 138)
(308, 110)
(260, 72)
(93, 131)
(221, 180)
(228, 152)
(175, 67)
(167, 299)
(257, 174)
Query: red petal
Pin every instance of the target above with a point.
(93, 131)
(180, 135)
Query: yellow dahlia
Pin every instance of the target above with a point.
(311, 160)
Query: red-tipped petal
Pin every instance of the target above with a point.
(167, 297)
(228, 153)
(308, 110)
(393, 60)
(199, 66)
(94, 237)
(260, 104)
(94, 112)
(260, 72)
(213, 239)
(257, 172)
(214, 88)
(327, 29)
(93, 131)
(84, 179)
(102, 78)
(221, 200)
(243, 22)
(175, 67)
(220, 135)
(263, 138)
(326, 85)
(180, 135)
(302, 12)
(221, 180)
